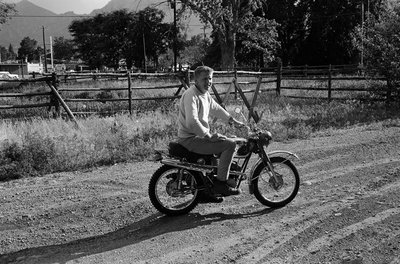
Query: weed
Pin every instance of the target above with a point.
(36, 146)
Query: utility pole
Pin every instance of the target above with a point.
(175, 46)
(144, 54)
(204, 36)
(362, 34)
(44, 51)
(51, 53)
(142, 19)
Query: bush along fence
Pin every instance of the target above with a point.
(293, 82)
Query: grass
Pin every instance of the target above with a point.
(39, 145)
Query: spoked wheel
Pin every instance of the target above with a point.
(173, 192)
(276, 191)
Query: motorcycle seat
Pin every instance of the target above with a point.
(177, 150)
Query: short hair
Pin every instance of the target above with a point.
(199, 70)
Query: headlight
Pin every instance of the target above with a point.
(247, 148)
(265, 137)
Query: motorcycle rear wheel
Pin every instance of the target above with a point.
(274, 193)
(171, 197)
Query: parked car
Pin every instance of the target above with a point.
(6, 75)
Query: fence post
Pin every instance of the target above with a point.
(236, 81)
(255, 96)
(246, 102)
(330, 83)
(53, 100)
(389, 84)
(59, 98)
(187, 77)
(130, 92)
(216, 94)
(278, 77)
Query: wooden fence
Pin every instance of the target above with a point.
(278, 80)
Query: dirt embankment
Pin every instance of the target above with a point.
(347, 211)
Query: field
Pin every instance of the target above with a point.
(34, 144)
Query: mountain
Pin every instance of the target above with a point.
(31, 19)
(133, 5)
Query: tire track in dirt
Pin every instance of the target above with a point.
(209, 251)
(323, 212)
(328, 175)
(226, 243)
(330, 239)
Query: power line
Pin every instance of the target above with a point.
(315, 18)
(52, 16)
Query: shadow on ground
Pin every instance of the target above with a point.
(144, 229)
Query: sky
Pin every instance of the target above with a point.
(62, 6)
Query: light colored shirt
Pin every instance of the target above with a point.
(195, 109)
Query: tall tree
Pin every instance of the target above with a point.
(11, 52)
(150, 36)
(3, 54)
(291, 15)
(108, 38)
(381, 43)
(227, 18)
(27, 49)
(195, 50)
(331, 25)
(6, 54)
(63, 48)
(100, 39)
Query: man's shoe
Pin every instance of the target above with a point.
(210, 198)
(232, 182)
(224, 189)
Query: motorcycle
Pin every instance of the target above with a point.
(185, 177)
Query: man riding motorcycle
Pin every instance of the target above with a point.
(195, 107)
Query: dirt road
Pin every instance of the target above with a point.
(347, 211)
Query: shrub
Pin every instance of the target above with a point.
(381, 44)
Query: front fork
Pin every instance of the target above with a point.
(265, 158)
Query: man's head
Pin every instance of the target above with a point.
(203, 78)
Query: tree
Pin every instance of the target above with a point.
(381, 43)
(291, 15)
(258, 39)
(27, 49)
(7, 54)
(3, 54)
(101, 39)
(63, 48)
(150, 36)
(195, 50)
(6, 10)
(108, 38)
(11, 52)
(227, 18)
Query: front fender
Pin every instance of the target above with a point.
(280, 153)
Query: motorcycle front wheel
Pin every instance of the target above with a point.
(173, 191)
(276, 191)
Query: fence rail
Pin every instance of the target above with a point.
(283, 80)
